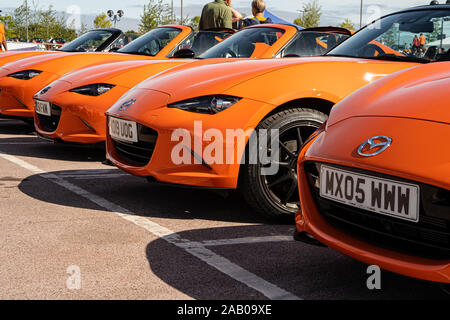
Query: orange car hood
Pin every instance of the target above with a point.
(221, 76)
(419, 93)
(216, 76)
(61, 63)
(10, 56)
(118, 73)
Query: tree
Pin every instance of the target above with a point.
(102, 21)
(347, 24)
(155, 13)
(391, 37)
(83, 29)
(194, 22)
(42, 23)
(310, 16)
(7, 21)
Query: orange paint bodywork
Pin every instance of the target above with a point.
(411, 107)
(263, 86)
(16, 98)
(10, 56)
(124, 76)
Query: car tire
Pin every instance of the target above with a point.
(265, 193)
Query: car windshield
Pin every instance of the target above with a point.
(88, 42)
(201, 41)
(245, 44)
(312, 43)
(152, 42)
(123, 40)
(417, 36)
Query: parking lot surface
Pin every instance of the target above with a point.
(62, 210)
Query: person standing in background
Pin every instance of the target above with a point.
(218, 14)
(3, 37)
(258, 8)
(416, 44)
(423, 41)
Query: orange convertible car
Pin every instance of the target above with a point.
(97, 40)
(72, 109)
(191, 126)
(20, 80)
(375, 183)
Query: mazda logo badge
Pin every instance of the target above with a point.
(127, 104)
(45, 90)
(374, 146)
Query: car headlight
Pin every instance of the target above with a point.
(93, 89)
(207, 104)
(25, 75)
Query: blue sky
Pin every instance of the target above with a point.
(334, 11)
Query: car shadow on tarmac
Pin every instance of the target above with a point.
(37, 148)
(15, 127)
(150, 200)
(308, 272)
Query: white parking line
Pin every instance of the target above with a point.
(196, 249)
(94, 176)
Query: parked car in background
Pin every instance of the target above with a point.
(107, 38)
(16, 39)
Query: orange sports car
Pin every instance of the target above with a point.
(72, 109)
(97, 40)
(20, 80)
(242, 124)
(375, 182)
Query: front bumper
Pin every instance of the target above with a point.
(245, 115)
(313, 220)
(16, 96)
(81, 118)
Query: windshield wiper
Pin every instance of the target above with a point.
(394, 57)
(387, 57)
(136, 53)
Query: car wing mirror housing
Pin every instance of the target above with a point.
(184, 54)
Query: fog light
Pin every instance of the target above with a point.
(299, 220)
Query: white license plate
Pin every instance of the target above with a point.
(378, 195)
(123, 130)
(43, 107)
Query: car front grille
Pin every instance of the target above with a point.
(429, 238)
(50, 123)
(138, 153)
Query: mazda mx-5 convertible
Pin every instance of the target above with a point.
(72, 109)
(97, 40)
(375, 182)
(20, 80)
(181, 127)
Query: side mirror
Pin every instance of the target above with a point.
(184, 54)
